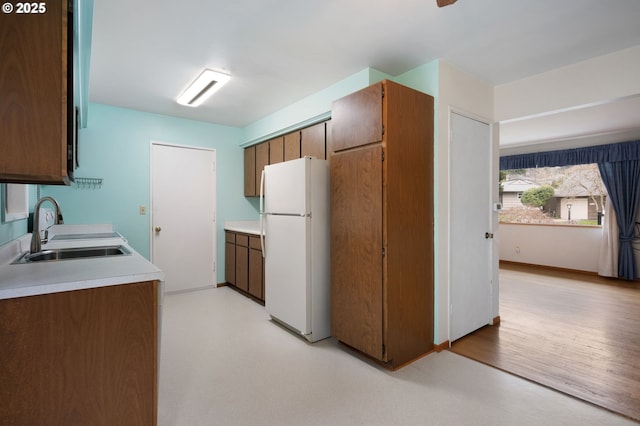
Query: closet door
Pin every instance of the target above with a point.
(356, 249)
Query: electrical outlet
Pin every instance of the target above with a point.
(518, 250)
(143, 210)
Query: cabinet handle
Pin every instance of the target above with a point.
(158, 229)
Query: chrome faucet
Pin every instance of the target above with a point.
(36, 243)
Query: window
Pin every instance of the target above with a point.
(567, 195)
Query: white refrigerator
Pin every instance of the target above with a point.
(294, 220)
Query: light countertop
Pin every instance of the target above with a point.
(28, 279)
(247, 227)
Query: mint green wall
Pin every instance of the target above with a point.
(115, 147)
(317, 105)
(424, 78)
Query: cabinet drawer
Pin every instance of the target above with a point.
(242, 240)
(254, 243)
(230, 237)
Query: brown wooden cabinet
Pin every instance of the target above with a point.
(230, 257)
(276, 150)
(36, 95)
(80, 357)
(242, 262)
(292, 145)
(256, 268)
(313, 141)
(262, 159)
(250, 171)
(256, 157)
(382, 222)
(244, 265)
(310, 141)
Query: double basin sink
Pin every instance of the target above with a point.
(72, 253)
(56, 254)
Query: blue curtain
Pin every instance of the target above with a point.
(619, 165)
(570, 157)
(622, 179)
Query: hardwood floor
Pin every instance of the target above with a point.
(579, 334)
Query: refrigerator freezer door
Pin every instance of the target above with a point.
(286, 187)
(287, 280)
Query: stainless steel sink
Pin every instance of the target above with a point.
(86, 236)
(73, 253)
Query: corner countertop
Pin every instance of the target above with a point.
(247, 227)
(30, 279)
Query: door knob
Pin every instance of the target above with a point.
(158, 229)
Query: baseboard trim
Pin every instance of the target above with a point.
(441, 346)
(554, 270)
(507, 263)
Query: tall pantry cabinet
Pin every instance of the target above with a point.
(382, 222)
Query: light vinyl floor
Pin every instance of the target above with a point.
(224, 362)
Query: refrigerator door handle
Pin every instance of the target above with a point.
(262, 245)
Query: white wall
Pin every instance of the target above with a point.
(600, 79)
(567, 247)
(462, 93)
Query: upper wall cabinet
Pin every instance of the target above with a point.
(250, 171)
(310, 141)
(357, 119)
(38, 109)
(313, 141)
(276, 150)
(292, 145)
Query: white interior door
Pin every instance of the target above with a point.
(471, 204)
(183, 194)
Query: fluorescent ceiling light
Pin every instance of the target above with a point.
(207, 83)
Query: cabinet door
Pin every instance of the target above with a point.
(276, 150)
(230, 258)
(242, 262)
(356, 119)
(312, 141)
(262, 159)
(80, 357)
(255, 268)
(250, 172)
(356, 249)
(292, 146)
(33, 101)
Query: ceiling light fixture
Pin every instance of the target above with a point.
(207, 83)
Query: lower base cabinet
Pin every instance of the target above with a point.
(244, 265)
(83, 357)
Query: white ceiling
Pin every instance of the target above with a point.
(145, 52)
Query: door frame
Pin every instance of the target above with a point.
(492, 277)
(215, 199)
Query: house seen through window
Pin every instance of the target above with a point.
(568, 195)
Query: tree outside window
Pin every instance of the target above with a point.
(553, 195)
